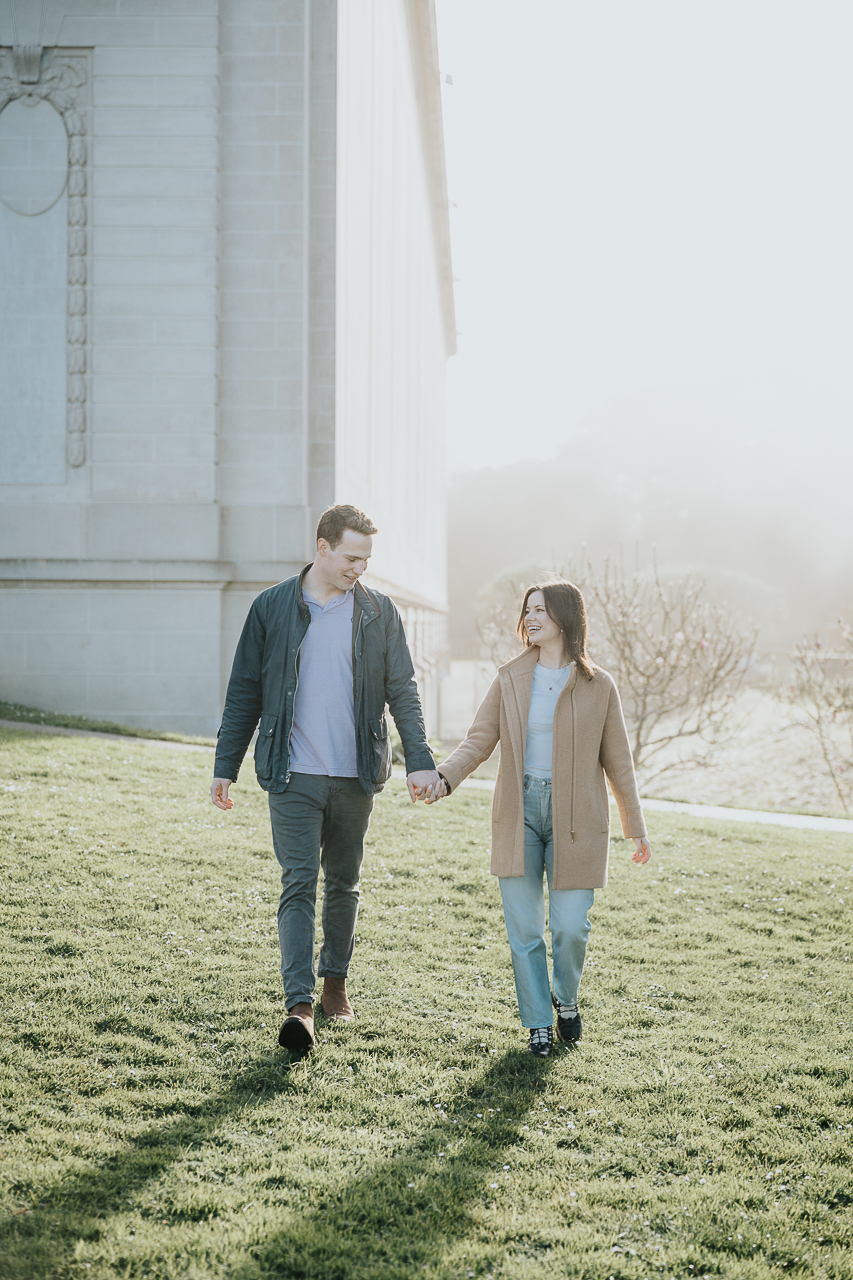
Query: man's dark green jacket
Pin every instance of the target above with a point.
(264, 677)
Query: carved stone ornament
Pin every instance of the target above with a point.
(62, 78)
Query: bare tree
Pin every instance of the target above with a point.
(678, 660)
(822, 694)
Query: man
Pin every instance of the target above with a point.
(317, 662)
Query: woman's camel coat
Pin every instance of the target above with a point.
(590, 740)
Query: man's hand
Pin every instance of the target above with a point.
(644, 851)
(424, 784)
(219, 793)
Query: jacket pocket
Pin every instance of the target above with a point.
(264, 746)
(378, 727)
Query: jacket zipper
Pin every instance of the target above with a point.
(574, 759)
(356, 654)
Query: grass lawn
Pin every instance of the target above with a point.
(152, 1127)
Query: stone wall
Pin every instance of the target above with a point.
(199, 402)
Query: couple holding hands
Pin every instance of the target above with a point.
(319, 659)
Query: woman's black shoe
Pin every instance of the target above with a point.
(540, 1042)
(569, 1029)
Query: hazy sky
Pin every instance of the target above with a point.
(655, 217)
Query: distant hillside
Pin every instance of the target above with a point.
(768, 529)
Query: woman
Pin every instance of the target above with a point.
(559, 722)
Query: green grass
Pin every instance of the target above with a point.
(154, 1129)
(35, 715)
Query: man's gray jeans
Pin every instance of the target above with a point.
(318, 821)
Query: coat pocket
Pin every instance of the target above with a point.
(603, 803)
(264, 746)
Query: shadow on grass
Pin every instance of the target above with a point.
(76, 1206)
(406, 1216)
(376, 1226)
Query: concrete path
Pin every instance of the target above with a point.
(804, 821)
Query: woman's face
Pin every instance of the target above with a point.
(539, 627)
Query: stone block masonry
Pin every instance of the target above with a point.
(190, 427)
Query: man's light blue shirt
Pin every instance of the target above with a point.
(323, 736)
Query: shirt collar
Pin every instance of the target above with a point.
(334, 603)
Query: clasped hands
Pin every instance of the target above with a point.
(427, 785)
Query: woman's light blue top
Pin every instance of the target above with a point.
(547, 686)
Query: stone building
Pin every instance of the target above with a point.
(225, 302)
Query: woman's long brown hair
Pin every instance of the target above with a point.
(564, 605)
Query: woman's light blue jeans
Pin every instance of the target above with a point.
(524, 913)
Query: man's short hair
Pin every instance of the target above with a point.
(336, 520)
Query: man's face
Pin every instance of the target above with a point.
(343, 565)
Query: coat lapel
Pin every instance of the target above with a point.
(518, 676)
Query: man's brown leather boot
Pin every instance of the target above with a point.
(334, 1000)
(297, 1030)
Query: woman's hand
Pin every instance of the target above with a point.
(436, 792)
(644, 851)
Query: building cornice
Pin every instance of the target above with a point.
(153, 573)
(424, 45)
